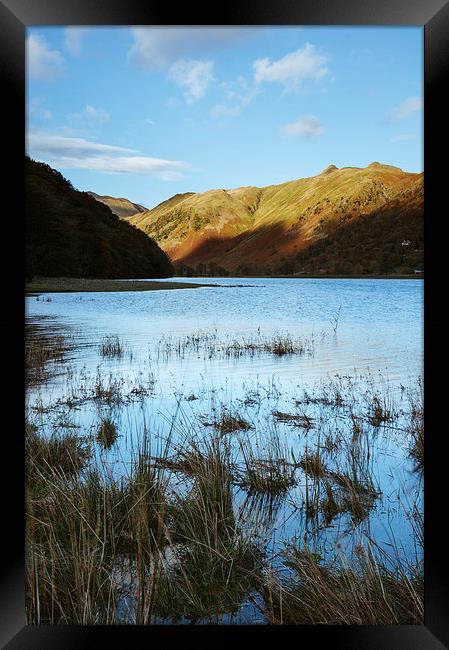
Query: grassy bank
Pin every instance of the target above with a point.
(57, 285)
(102, 550)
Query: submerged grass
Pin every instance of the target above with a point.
(170, 541)
(107, 433)
(227, 423)
(366, 591)
(45, 346)
(211, 346)
(111, 346)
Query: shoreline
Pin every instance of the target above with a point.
(81, 285)
(75, 285)
(320, 276)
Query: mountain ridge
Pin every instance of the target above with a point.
(120, 206)
(260, 229)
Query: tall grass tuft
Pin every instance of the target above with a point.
(366, 592)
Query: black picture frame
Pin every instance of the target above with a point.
(433, 15)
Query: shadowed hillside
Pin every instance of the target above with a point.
(344, 221)
(119, 206)
(70, 234)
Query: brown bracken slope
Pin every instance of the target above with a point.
(348, 220)
(119, 206)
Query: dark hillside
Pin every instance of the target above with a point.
(70, 234)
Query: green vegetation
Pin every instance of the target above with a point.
(347, 221)
(56, 285)
(107, 433)
(119, 206)
(228, 423)
(70, 234)
(45, 346)
(190, 526)
(173, 539)
(367, 592)
(367, 246)
(111, 346)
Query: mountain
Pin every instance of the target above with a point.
(119, 206)
(68, 233)
(348, 220)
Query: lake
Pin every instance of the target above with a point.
(190, 356)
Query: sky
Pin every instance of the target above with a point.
(149, 112)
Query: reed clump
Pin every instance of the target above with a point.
(107, 433)
(302, 421)
(111, 347)
(271, 473)
(45, 347)
(227, 423)
(312, 464)
(364, 592)
(64, 454)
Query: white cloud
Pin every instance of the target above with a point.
(402, 138)
(239, 94)
(47, 115)
(52, 144)
(73, 39)
(222, 110)
(407, 108)
(167, 170)
(307, 125)
(92, 115)
(159, 47)
(293, 68)
(77, 153)
(43, 63)
(193, 76)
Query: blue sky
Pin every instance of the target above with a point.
(146, 112)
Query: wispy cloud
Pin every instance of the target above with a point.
(159, 47)
(78, 153)
(193, 76)
(307, 125)
(92, 115)
(292, 69)
(404, 110)
(402, 138)
(73, 39)
(238, 95)
(43, 63)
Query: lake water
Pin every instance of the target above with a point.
(180, 368)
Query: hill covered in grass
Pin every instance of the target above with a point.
(342, 221)
(70, 234)
(120, 206)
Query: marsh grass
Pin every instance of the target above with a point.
(416, 424)
(312, 464)
(364, 591)
(107, 433)
(210, 346)
(171, 537)
(217, 562)
(302, 421)
(80, 528)
(111, 347)
(65, 454)
(417, 446)
(227, 423)
(45, 347)
(266, 468)
(379, 413)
